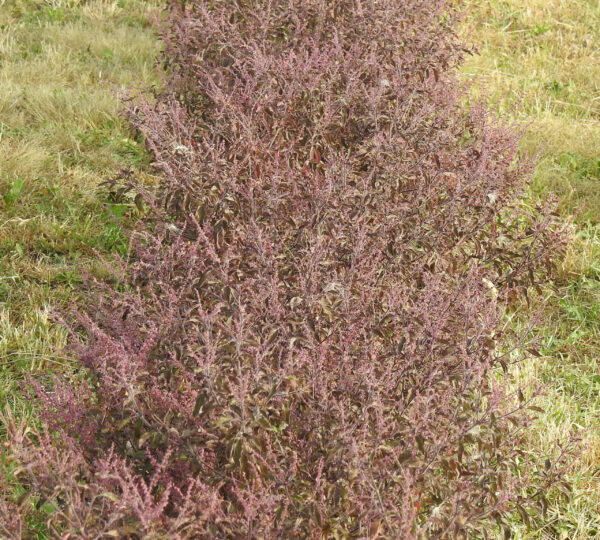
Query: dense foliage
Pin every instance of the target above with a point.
(302, 339)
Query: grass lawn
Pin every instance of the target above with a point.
(544, 55)
(61, 64)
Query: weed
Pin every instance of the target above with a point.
(14, 192)
(540, 29)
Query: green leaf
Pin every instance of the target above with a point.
(13, 194)
(139, 202)
(117, 210)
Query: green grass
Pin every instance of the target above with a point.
(543, 56)
(61, 135)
